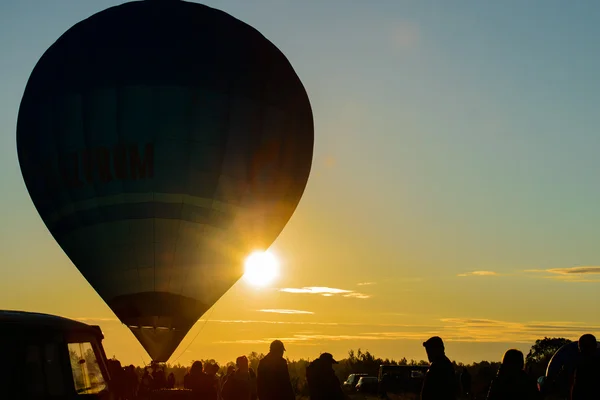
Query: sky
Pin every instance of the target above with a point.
(454, 188)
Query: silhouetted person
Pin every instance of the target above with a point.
(211, 385)
(440, 380)
(200, 383)
(171, 381)
(323, 384)
(273, 377)
(211, 372)
(132, 382)
(195, 378)
(512, 382)
(586, 377)
(237, 386)
(146, 384)
(187, 380)
(159, 378)
(465, 382)
(118, 378)
(253, 390)
(230, 370)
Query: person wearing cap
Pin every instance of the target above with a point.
(273, 377)
(440, 381)
(323, 384)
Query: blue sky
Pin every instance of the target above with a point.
(451, 137)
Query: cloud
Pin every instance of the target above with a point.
(315, 323)
(325, 291)
(571, 278)
(357, 295)
(575, 270)
(479, 273)
(571, 274)
(243, 341)
(487, 330)
(365, 283)
(472, 321)
(284, 311)
(452, 329)
(315, 290)
(246, 321)
(304, 338)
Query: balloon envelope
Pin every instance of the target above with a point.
(161, 142)
(565, 359)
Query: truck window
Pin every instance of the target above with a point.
(43, 370)
(87, 375)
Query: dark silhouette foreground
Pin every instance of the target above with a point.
(509, 380)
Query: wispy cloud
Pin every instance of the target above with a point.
(248, 321)
(284, 311)
(479, 273)
(365, 284)
(575, 270)
(316, 323)
(478, 330)
(315, 290)
(325, 291)
(572, 274)
(357, 295)
(244, 341)
(304, 339)
(488, 330)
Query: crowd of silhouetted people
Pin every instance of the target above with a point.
(512, 382)
(272, 381)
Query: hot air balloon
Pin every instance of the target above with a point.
(161, 142)
(565, 359)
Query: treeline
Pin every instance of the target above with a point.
(360, 361)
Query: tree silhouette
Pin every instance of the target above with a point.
(544, 349)
(541, 352)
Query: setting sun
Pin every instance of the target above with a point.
(260, 268)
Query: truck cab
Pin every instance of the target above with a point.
(49, 357)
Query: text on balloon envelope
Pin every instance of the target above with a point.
(103, 165)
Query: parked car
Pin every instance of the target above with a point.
(367, 384)
(352, 381)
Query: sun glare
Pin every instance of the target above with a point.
(261, 268)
